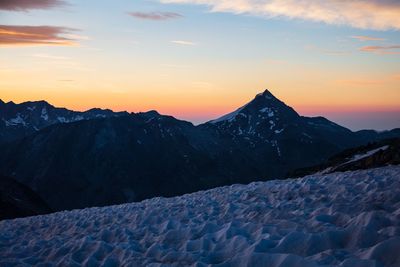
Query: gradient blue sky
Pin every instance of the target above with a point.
(199, 59)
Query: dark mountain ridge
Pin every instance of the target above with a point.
(18, 200)
(19, 120)
(108, 158)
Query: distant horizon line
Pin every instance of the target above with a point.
(188, 120)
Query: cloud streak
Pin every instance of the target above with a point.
(367, 38)
(155, 16)
(364, 14)
(382, 50)
(12, 35)
(25, 5)
(48, 56)
(181, 42)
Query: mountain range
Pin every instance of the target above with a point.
(99, 157)
(19, 120)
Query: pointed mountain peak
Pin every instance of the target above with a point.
(264, 106)
(266, 94)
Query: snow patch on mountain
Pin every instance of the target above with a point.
(276, 145)
(44, 114)
(272, 123)
(62, 119)
(340, 219)
(78, 118)
(267, 110)
(230, 116)
(16, 121)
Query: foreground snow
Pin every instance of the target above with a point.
(341, 219)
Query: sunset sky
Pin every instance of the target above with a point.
(199, 59)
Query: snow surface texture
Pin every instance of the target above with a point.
(341, 219)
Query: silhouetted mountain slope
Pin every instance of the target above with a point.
(102, 161)
(119, 159)
(19, 120)
(18, 200)
(129, 157)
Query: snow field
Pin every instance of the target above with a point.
(341, 219)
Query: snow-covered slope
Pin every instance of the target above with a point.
(340, 219)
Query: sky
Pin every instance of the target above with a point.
(199, 59)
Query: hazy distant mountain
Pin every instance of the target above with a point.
(18, 120)
(111, 158)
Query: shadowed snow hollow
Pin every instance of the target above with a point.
(340, 219)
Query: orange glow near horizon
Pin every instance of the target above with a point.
(185, 99)
(197, 108)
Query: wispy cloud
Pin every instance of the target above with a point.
(366, 14)
(181, 42)
(25, 5)
(367, 38)
(76, 36)
(12, 35)
(157, 16)
(48, 56)
(382, 50)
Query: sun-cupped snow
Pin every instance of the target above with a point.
(339, 219)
